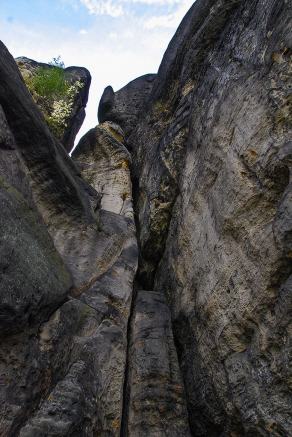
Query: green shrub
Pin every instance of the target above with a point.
(54, 94)
(49, 82)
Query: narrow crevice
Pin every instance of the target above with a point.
(136, 287)
(126, 387)
(138, 284)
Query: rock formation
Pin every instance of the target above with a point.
(212, 159)
(145, 283)
(155, 399)
(66, 134)
(124, 106)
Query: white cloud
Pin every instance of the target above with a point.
(171, 20)
(113, 35)
(117, 8)
(103, 7)
(154, 2)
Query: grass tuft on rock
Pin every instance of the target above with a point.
(49, 82)
(53, 94)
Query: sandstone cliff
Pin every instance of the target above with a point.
(145, 283)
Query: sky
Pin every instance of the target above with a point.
(116, 40)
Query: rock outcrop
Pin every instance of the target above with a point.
(145, 283)
(68, 131)
(105, 163)
(124, 106)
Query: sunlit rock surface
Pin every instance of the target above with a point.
(105, 163)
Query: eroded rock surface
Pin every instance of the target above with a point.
(72, 75)
(155, 400)
(105, 163)
(85, 343)
(212, 164)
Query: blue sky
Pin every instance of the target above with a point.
(117, 40)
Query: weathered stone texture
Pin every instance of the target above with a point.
(222, 211)
(64, 313)
(105, 163)
(155, 401)
(29, 68)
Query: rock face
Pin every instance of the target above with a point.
(145, 283)
(67, 134)
(124, 106)
(212, 169)
(85, 343)
(107, 167)
(155, 394)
